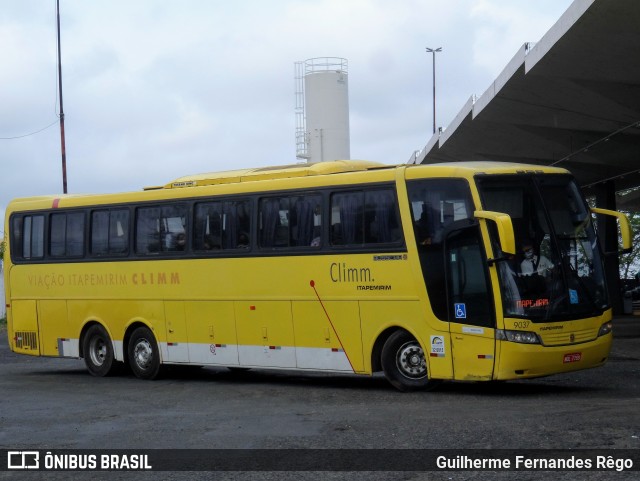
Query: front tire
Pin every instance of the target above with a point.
(143, 354)
(404, 363)
(97, 350)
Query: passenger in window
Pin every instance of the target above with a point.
(243, 240)
(181, 241)
(209, 244)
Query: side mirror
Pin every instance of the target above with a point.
(625, 226)
(505, 228)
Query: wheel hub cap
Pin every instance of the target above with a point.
(411, 362)
(98, 351)
(143, 354)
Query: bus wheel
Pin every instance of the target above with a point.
(143, 354)
(97, 350)
(403, 362)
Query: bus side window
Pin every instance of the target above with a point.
(293, 221)
(221, 225)
(66, 236)
(16, 236)
(148, 236)
(365, 218)
(306, 220)
(381, 218)
(109, 232)
(274, 222)
(58, 229)
(28, 236)
(161, 229)
(346, 218)
(208, 226)
(236, 224)
(119, 231)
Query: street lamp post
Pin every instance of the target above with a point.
(62, 143)
(433, 51)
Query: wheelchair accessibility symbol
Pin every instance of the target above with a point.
(461, 310)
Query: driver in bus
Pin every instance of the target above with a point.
(532, 263)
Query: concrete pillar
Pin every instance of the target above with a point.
(608, 237)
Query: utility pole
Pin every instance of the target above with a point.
(433, 52)
(64, 153)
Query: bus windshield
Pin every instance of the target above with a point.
(557, 272)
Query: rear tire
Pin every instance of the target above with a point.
(404, 363)
(97, 350)
(143, 354)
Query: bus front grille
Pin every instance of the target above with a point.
(565, 338)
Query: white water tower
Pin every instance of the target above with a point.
(322, 109)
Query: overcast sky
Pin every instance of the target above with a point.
(158, 89)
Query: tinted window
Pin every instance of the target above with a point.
(161, 229)
(221, 225)
(364, 217)
(28, 236)
(66, 236)
(435, 205)
(16, 236)
(110, 232)
(292, 221)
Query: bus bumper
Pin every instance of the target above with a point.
(521, 361)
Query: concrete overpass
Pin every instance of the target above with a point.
(571, 100)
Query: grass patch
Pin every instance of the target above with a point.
(3, 323)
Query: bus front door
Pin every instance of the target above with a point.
(470, 307)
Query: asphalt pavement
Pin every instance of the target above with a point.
(50, 403)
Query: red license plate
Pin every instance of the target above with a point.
(573, 357)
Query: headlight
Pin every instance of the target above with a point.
(605, 328)
(523, 337)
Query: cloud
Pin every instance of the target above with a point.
(504, 26)
(158, 89)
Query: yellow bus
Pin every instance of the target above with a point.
(348, 266)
